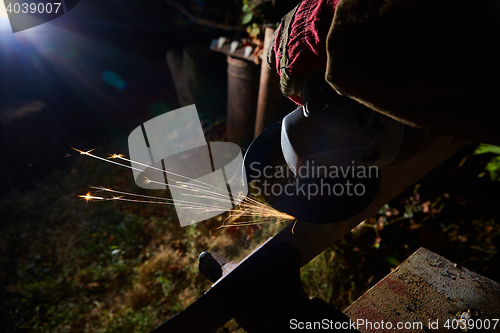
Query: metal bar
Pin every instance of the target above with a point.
(205, 315)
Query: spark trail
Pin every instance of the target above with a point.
(256, 211)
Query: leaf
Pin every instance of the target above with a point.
(487, 148)
(493, 167)
(247, 18)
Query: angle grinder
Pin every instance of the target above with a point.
(321, 163)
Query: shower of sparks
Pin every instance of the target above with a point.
(255, 211)
(120, 156)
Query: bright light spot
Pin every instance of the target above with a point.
(4, 19)
(88, 196)
(84, 152)
(3, 12)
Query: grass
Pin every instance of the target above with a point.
(71, 266)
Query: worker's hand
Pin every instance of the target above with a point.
(298, 48)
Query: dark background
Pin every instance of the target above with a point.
(53, 94)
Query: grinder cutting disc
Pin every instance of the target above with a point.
(328, 198)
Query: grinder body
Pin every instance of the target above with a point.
(321, 163)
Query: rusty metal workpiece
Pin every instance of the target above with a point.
(430, 290)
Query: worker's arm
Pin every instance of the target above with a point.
(433, 64)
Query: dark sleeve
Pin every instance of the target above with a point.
(434, 63)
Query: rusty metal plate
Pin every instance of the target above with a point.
(428, 293)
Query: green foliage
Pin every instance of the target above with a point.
(256, 13)
(247, 18)
(493, 166)
(329, 277)
(129, 321)
(486, 148)
(249, 10)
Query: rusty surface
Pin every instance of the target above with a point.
(430, 289)
(242, 94)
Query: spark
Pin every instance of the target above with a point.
(119, 156)
(88, 196)
(251, 207)
(152, 199)
(104, 159)
(167, 172)
(84, 152)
